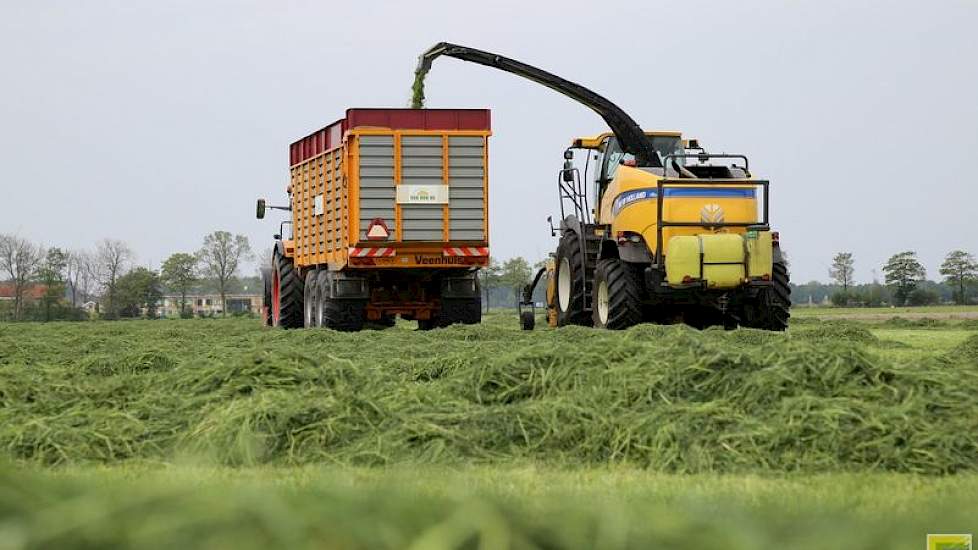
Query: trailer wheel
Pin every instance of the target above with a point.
(385, 321)
(322, 285)
(571, 288)
(467, 311)
(287, 293)
(310, 300)
(266, 304)
(618, 295)
(343, 314)
(772, 308)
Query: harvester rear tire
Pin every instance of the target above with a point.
(618, 294)
(772, 309)
(287, 293)
(571, 288)
(310, 300)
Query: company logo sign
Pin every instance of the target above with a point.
(711, 214)
(631, 197)
(422, 194)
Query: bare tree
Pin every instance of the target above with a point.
(77, 276)
(220, 257)
(19, 260)
(263, 259)
(87, 276)
(112, 257)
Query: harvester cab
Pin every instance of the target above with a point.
(652, 228)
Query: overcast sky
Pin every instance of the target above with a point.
(158, 122)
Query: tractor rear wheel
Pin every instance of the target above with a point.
(287, 293)
(618, 295)
(771, 310)
(310, 299)
(571, 287)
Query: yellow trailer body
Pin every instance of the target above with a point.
(389, 217)
(393, 196)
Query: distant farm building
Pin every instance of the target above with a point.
(203, 305)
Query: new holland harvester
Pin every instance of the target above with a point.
(653, 227)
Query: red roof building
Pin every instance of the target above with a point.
(33, 292)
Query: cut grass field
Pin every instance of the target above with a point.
(222, 434)
(933, 312)
(493, 507)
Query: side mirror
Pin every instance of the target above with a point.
(568, 172)
(568, 154)
(260, 209)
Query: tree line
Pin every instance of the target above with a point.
(54, 283)
(48, 283)
(905, 281)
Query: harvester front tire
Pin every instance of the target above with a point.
(287, 293)
(571, 288)
(618, 295)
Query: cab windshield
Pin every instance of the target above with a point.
(614, 156)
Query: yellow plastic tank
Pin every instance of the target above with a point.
(719, 259)
(760, 254)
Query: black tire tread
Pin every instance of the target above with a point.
(290, 293)
(625, 294)
(570, 247)
(773, 307)
(309, 298)
(266, 309)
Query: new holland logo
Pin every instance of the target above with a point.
(711, 214)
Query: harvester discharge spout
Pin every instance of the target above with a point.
(630, 135)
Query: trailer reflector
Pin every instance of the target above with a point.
(465, 251)
(377, 231)
(374, 252)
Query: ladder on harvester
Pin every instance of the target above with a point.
(571, 187)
